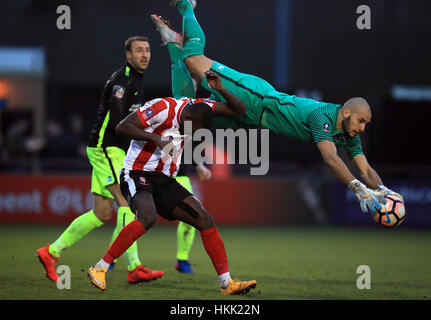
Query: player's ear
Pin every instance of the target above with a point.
(128, 55)
(346, 112)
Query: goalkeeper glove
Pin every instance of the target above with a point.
(368, 198)
(383, 191)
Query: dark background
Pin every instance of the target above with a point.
(298, 46)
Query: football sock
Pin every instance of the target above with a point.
(214, 246)
(185, 237)
(185, 8)
(76, 230)
(102, 264)
(194, 37)
(129, 234)
(124, 217)
(224, 279)
(182, 83)
(176, 54)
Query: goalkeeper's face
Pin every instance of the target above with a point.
(139, 55)
(354, 122)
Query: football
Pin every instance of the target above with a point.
(392, 214)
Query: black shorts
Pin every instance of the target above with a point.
(167, 192)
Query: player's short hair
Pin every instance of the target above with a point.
(128, 43)
(354, 104)
(201, 113)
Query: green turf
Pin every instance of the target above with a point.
(287, 262)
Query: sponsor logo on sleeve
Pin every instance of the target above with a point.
(118, 91)
(147, 114)
(326, 127)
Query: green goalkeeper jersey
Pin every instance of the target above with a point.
(297, 118)
(306, 120)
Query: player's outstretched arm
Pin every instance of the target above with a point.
(328, 150)
(234, 106)
(370, 176)
(368, 198)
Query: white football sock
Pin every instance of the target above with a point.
(224, 279)
(102, 264)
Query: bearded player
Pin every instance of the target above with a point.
(328, 125)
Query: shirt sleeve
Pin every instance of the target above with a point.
(211, 103)
(320, 126)
(353, 147)
(117, 100)
(153, 112)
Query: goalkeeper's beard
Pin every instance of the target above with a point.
(346, 124)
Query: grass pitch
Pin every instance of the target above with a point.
(287, 262)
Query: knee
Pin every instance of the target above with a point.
(190, 62)
(205, 221)
(103, 215)
(146, 217)
(193, 65)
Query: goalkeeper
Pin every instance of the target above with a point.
(327, 125)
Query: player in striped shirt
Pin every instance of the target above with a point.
(326, 124)
(147, 177)
(122, 94)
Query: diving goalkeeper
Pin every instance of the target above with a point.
(328, 125)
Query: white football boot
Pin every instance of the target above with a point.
(166, 33)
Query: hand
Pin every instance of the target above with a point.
(203, 172)
(383, 191)
(214, 80)
(368, 198)
(167, 146)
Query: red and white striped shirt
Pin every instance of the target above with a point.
(160, 116)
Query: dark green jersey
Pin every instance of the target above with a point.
(306, 120)
(123, 94)
(297, 118)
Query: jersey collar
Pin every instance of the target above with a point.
(132, 71)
